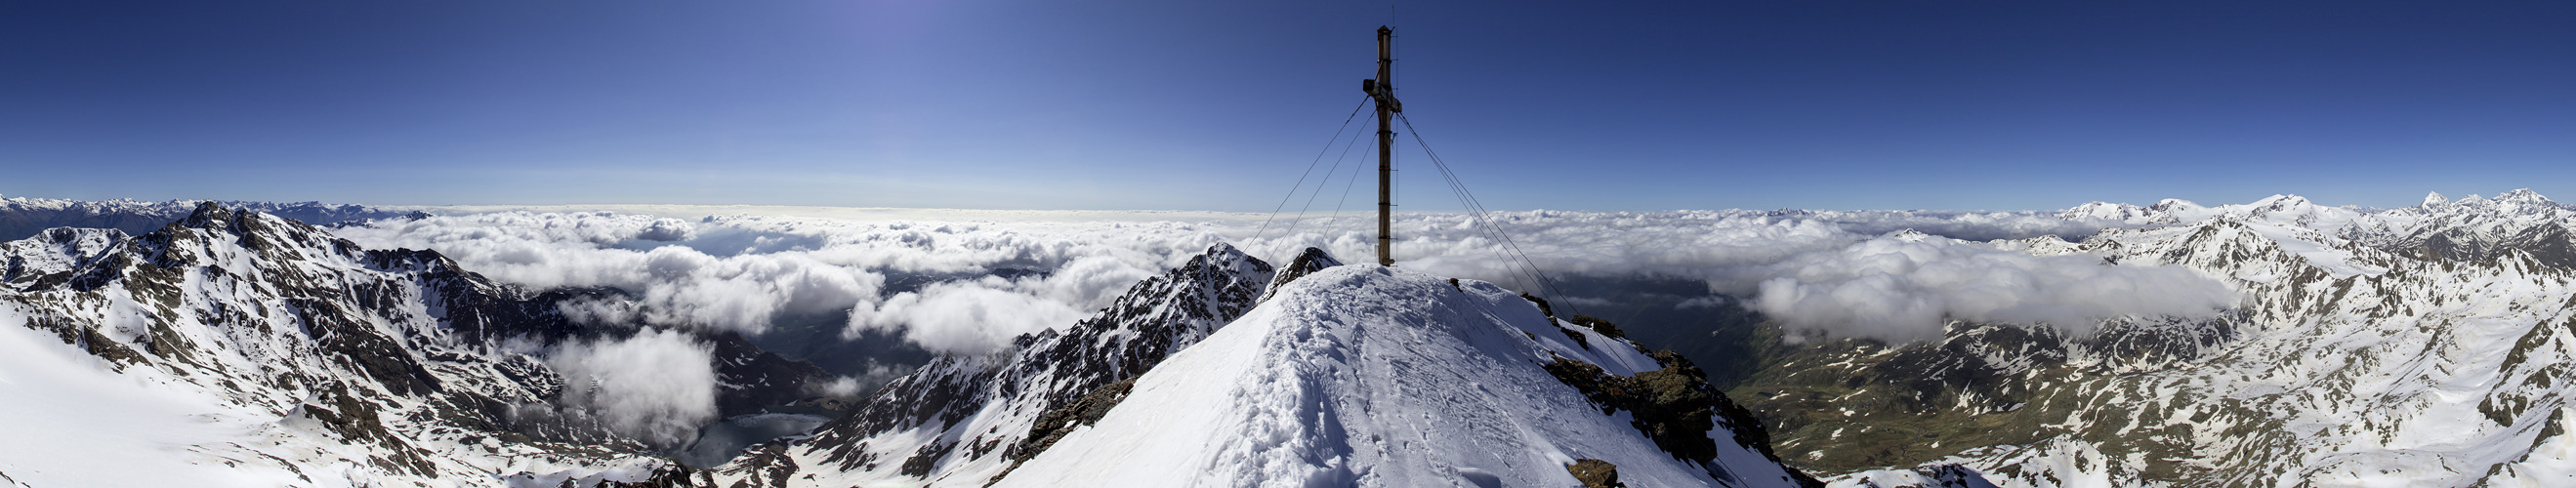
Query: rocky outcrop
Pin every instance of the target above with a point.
(1306, 263)
(1674, 406)
(1595, 473)
(1055, 424)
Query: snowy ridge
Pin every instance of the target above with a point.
(1374, 376)
(1455, 363)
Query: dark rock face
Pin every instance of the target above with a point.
(1055, 424)
(1543, 309)
(1597, 325)
(1956, 476)
(750, 380)
(1306, 263)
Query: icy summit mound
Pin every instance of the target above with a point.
(1373, 376)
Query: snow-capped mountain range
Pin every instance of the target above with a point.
(2419, 346)
(21, 217)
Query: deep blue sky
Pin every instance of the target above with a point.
(1220, 105)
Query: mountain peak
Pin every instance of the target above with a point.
(206, 216)
(2174, 204)
(1309, 389)
(2434, 199)
(2103, 211)
(2282, 202)
(2525, 196)
(1306, 263)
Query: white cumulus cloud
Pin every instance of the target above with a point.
(965, 317)
(657, 386)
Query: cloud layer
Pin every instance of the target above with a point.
(741, 272)
(1907, 287)
(968, 287)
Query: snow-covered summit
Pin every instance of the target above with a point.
(2098, 210)
(1374, 376)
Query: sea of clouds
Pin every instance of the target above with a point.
(968, 282)
(983, 277)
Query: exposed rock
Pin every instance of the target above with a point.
(1542, 304)
(1053, 425)
(1595, 473)
(1308, 262)
(1674, 406)
(1602, 326)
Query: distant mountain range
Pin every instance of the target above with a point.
(24, 217)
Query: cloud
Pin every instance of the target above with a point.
(968, 287)
(1812, 269)
(666, 230)
(657, 386)
(1702, 302)
(965, 317)
(1907, 287)
(674, 285)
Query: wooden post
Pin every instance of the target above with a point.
(1383, 91)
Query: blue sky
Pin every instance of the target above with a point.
(1220, 105)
